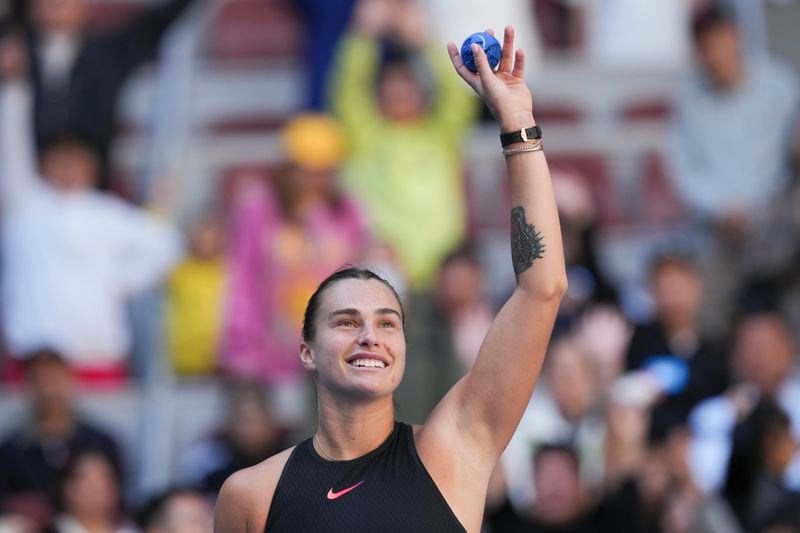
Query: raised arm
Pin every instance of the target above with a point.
(479, 415)
(17, 154)
(354, 73)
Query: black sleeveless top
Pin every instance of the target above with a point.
(386, 490)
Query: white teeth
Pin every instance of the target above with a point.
(372, 363)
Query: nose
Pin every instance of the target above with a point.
(368, 336)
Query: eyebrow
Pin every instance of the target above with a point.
(349, 311)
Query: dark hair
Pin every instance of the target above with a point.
(711, 17)
(349, 272)
(395, 57)
(747, 456)
(29, 359)
(563, 448)
(679, 258)
(66, 140)
(774, 315)
(70, 468)
(155, 510)
(465, 252)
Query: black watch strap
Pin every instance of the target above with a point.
(520, 136)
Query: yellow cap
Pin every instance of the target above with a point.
(313, 141)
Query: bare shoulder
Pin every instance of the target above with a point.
(245, 498)
(460, 472)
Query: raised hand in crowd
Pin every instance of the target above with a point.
(14, 62)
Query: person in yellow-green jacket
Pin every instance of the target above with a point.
(405, 115)
(195, 294)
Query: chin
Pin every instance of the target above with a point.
(369, 389)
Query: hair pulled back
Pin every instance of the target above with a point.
(351, 272)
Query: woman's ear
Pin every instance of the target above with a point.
(306, 358)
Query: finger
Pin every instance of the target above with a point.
(455, 57)
(481, 62)
(519, 64)
(508, 50)
(490, 31)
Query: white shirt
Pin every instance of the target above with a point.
(58, 54)
(713, 422)
(542, 423)
(67, 524)
(70, 260)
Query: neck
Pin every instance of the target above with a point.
(349, 430)
(679, 324)
(730, 80)
(54, 423)
(93, 523)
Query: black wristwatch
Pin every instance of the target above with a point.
(521, 136)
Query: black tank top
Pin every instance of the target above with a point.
(386, 490)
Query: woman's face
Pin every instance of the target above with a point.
(92, 489)
(572, 381)
(359, 346)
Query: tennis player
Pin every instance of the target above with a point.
(363, 470)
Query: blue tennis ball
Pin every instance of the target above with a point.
(489, 44)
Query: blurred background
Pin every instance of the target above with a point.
(177, 176)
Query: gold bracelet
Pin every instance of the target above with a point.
(534, 146)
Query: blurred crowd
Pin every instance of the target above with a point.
(668, 403)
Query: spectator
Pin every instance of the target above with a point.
(445, 334)
(771, 256)
(603, 333)
(653, 455)
(250, 435)
(461, 297)
(286, 236)
(751, 19)
(732, 93)
(71, 256)
(682, 507)
(674, 336)
(730, 191)
(89, 496)
(588, 284)
(763, 359)
(195, 292)
(77, 73)
(178, 510)
(568, 407)
(562, 501)
(404, 117)
(762, 485)
(33, 454)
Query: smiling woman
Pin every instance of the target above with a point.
(363, 470)
(357, 349)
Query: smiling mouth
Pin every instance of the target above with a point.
(367, 363)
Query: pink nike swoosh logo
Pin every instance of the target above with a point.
(333, 495)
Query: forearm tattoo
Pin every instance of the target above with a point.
(526, 242)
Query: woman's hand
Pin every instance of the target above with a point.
(504, 91)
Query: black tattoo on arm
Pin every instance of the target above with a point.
(526, 242)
